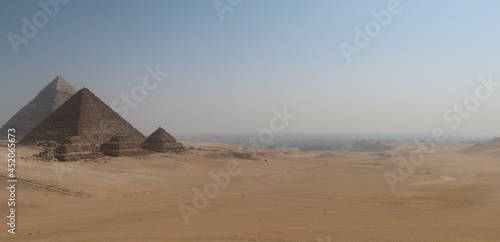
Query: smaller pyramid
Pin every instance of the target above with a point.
(122, 145)
(83, 115)
(48, 100)
(161, 141)
(74, 150)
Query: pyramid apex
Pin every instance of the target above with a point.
(162, 141)
(85, 115)
(161, 131)
(84, 92)
(58, 79)
(51, 97)
(60, 84)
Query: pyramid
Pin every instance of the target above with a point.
(74, 150)
(48, 100)
(122, 145)
(161, 141)
(83, 115)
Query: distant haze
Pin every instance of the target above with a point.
(228, 76)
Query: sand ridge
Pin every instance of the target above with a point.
(281, 195)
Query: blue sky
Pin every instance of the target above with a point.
(226, 76)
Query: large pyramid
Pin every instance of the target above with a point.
(83, 115)
(48, 99)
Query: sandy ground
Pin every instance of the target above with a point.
(278, 195)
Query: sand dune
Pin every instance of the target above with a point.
(491, 148)
(284, 195)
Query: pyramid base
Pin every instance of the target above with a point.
(78, 156)
(176, 148)
(120, 153)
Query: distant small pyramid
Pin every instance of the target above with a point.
(48, 99)
(160, 135)
(162, 141)
(83, 115)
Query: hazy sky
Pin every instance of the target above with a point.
(226, 76)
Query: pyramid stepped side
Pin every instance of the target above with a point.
(122, 145)
(99, 123)
(83, 115)
(74, 150)
(162, 141)
(160, 135)
(48, 100)
(63, 122)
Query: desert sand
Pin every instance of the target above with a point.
(280, 195)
